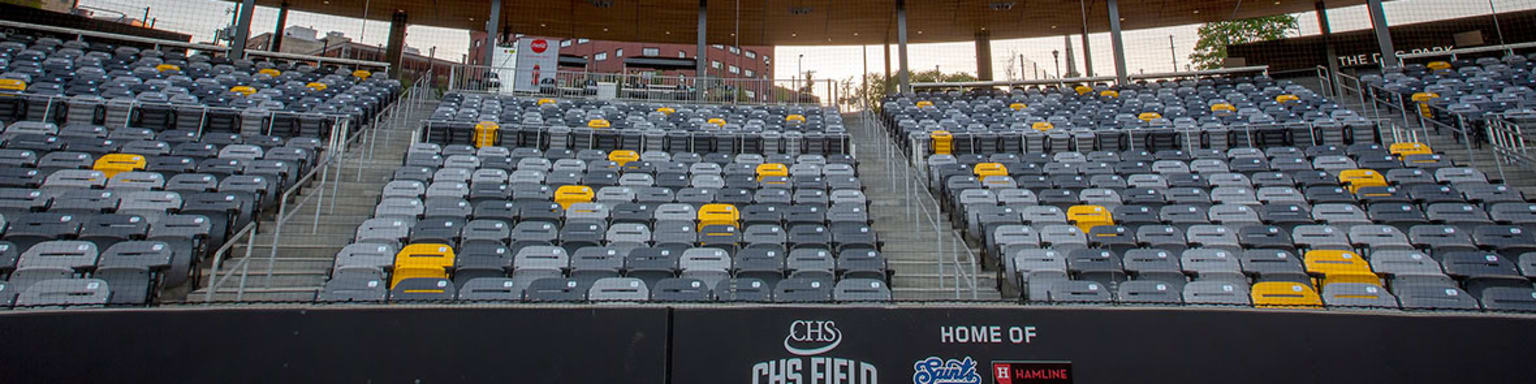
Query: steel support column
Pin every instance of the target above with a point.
(242, 30)
(1117, 45)
(1383, 34)
(394, 51)
(901, 46)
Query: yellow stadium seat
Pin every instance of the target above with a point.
(718, 122)
(1423, 98)
(1285, 294)
(1339, 266)
(1088, 216)
(243, 90)
(270, 72)
(317, 86)
(114, 163)
(925, 104)
(13, 85)
(362, 74)
(572, 194)
(983, 170)
(167, 67)
(1403, 150)
(422, 260)
(795, 118)
(943, 142)
(718, 214)
(1017, 106)
(1223, 107)
(425, 254)
(1360, 178)
(1438, 65)
(416, 271)
(1110, 94)
(1042, 126)
(666, 110)
(771, 169)
(1149, 116)
(1082, 89)
(485, 134)
(623, 156)
(546, 101)
(1286, 98)
(598, 123)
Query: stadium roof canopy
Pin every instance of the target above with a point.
(802, 22)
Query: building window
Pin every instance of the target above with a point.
(751, 55)
(618, 52)
(718, 46)
(601, 56)
(735, 50)
(751, 74)
(650, 51)
(734, 69)
(714, 64)
(582, 41)
(682, 54)
(565, 43)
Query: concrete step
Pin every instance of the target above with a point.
(304, 258)
(945, 294)
(909, 244)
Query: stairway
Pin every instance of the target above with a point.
(309, 242)
(1450, 144)
(911, 245)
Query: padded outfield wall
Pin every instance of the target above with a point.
(762, 344)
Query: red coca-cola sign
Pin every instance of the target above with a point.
(539, 45)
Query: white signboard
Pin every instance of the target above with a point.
(504, 65)
(537, 60)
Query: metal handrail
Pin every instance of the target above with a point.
(1462, 51)
(670, 89)
(112, 36)
(319, 59)
(965, 271)
(249, 232)
(323, 167)
(1076, 80)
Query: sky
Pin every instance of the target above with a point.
(1148, 49)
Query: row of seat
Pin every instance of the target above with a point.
(1290, 295)
(615, 114)
(792, 225)
(617, 289)
(79, 82)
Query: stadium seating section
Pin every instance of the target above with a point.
(123, 167)
(536, 212)
(1237, 191)
(1464, 91)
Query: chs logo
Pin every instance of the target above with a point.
(539, 45)
(807, 338)
(809, 341)
(934, 370)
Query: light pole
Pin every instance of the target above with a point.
(799, 72)
(1056, 56)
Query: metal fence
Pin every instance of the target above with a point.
(643, 86)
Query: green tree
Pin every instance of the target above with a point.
(1216, 37)
(875, 85)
